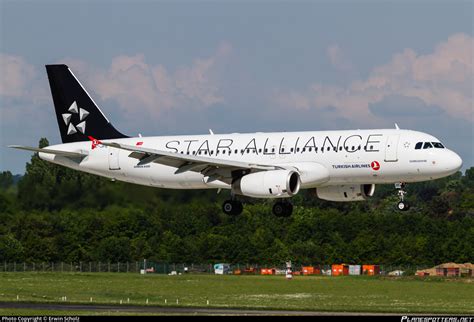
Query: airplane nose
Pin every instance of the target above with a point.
(458, 162)
(454, 162)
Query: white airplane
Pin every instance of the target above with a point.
(336, 165)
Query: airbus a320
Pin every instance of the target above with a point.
(336, 165)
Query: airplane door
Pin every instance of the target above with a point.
(114, 158)
(391, 148)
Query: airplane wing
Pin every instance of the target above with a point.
(218, 168)
(49, 151)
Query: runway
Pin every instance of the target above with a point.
(130, 309)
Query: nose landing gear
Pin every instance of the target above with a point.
(402, 205)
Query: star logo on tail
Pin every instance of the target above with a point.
(81, 114)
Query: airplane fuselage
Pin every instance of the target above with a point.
(350, 157)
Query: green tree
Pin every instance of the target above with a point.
(6, 180)
(114, 249)
(11, 249)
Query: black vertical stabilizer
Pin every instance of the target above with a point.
(77, 114)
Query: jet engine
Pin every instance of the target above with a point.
(268, 184)
(346, 192)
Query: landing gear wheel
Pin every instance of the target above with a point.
(278, 209)
(282, 209)
(232, 207)
(403, 206)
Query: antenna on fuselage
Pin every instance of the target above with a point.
(210, 131)
(396, 126)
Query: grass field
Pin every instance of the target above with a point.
(315, 293)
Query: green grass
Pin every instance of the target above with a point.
(315, 293)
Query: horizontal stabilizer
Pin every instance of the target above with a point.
(56, 152)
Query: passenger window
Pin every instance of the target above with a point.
(418, 145)
(427, 145)
(438, 145)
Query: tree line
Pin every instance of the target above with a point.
(53, 213)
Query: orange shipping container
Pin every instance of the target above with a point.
(371, 269)
(310, 270)
(267, 271)
(340, 270)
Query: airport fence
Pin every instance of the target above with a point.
(176, 268)
(105, 267)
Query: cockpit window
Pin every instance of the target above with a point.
(438, 145)
(418, 145)
(427, 145)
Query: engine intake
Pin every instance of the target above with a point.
(268, 184)
(346, 192)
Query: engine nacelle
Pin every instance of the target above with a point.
(268, 184)
(346, 192)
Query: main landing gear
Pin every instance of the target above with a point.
(232, 207)
(402, 205)
(282, 209)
